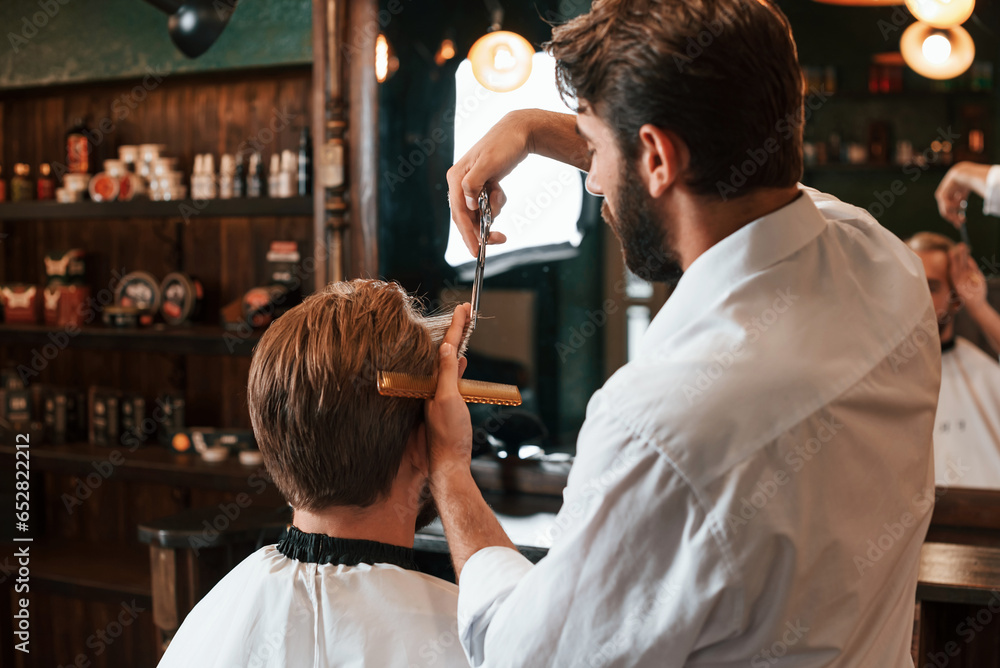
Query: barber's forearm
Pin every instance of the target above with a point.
(469, 524)
(988, 320)
(553, 135)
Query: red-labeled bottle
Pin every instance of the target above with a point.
(79, 149)
(46, 185)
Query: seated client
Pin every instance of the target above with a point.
(341, 588)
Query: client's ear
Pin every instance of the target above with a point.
(416, 449)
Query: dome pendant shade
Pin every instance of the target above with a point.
(194, 25)
(937, 53)
(942, 13)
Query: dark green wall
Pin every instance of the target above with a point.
(86, 40)
(846, 38)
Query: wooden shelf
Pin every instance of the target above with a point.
(149, 463)
(958, 573)
(90, 571)
(187, 209)
(174, 340)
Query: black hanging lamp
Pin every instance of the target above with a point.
(194, 25)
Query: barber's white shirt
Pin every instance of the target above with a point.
(967, 428)
(755, 487)
(272, 611)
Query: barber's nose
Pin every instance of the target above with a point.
(593, 187)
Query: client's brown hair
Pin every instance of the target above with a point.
(929, 241)
(327, 436)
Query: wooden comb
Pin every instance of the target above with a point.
(398, 384)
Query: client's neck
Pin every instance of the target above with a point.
(390, 521)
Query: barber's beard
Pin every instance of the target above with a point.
(644, 241)
(428, 509)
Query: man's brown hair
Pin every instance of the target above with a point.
(930, 241)
(328, 438)
(721, 74)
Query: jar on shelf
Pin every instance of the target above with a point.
(21, 189)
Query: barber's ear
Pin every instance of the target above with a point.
(662, 156)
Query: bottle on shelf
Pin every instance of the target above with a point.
(3, 186)
(305, 163)
(226, 171)
(21, 189)
(287, 177)
(261, 176)
(274, 176)
(239, 177)
(46, 185)
(79, 148)
(255, 173)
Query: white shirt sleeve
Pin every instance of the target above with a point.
(635, 570)
(991, 198)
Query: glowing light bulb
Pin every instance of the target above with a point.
(501, 60)
(381, 58)
(937, 53)
(936, 49)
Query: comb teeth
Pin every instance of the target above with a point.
(398, 384)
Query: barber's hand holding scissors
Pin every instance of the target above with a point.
(510, 141)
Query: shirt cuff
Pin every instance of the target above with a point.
(991, 198)
(487, 579)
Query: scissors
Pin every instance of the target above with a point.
(485, 222)
(963, 230)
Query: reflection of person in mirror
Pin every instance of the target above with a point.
(731, 477)
(953, 192)
(967, 428)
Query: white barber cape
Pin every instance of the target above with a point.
(752, 490)
(967, 428)
(276, 611)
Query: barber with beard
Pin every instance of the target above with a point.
(756, 485)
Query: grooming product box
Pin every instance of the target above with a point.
(171, 416)
(132, 412)
(64, 415)
(105, 418)
(65, 267)
(22, 303)
(65, 305)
